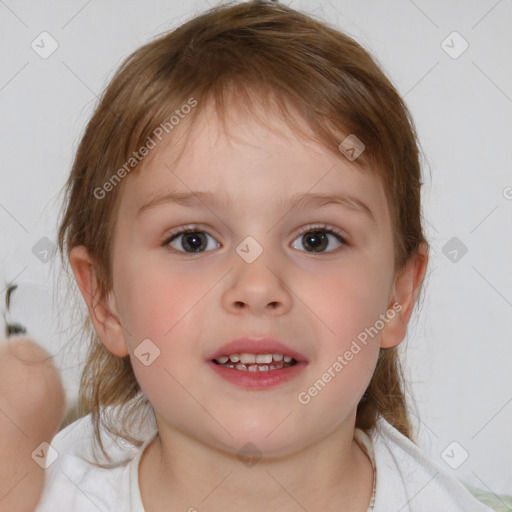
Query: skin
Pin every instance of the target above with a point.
(32, 406)
(190, 304)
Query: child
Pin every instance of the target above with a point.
(243, 222)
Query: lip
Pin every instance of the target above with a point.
(257, 380)
(257, 346)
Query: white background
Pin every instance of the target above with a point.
(459, 346)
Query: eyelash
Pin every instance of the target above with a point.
(306, 229)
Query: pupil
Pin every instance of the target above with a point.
(316, 240)
(195, 241)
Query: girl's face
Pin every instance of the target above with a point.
(314, 274)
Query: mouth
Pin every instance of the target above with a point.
(257, 363)
(247, 362)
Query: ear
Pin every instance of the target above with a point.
(103, 313)
(406, 288)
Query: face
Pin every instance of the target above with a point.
(312, 275)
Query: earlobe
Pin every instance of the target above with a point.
(103, 312)
(406, 288)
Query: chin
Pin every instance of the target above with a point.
(262, 434)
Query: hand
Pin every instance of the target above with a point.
(32, 406)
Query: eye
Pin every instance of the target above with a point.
(317, 238)
(190, 240)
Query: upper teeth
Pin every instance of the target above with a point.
(246, 358)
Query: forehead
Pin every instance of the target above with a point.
(252, 160)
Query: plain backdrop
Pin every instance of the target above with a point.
(451, 63)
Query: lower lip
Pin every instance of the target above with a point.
(258, 380)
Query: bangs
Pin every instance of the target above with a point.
(245, 102)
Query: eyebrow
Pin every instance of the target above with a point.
(305, 200)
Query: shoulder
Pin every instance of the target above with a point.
(408, 480)
(75, 481)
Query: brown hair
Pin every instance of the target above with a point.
(254, 51)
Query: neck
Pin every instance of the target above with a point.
(177, 472)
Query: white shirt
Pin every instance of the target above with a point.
(405, 479)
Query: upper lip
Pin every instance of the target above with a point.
(250, 345)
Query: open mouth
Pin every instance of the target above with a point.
(255, 362)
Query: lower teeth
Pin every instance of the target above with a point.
(257, 367)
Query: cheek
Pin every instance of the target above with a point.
(346, 301)
(161, 304)
(347, 306)
(155, 296)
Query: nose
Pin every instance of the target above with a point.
(258, 287)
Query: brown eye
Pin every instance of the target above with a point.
(190, 241)
(318, 239)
